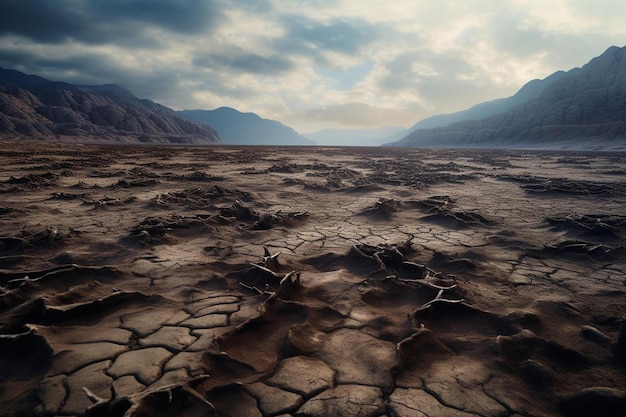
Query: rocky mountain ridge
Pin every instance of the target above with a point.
(237, 128)
(32, 107)
(529, 91)
(582, 108)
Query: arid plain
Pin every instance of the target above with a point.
(265, 281)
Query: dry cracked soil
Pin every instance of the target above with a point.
(262, 281)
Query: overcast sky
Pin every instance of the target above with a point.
(310, 64)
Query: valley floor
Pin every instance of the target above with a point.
(265, 281)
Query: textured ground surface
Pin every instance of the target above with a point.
(311, 282)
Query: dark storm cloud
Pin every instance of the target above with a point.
(42, 20)
(90, 68)
(181, 16)
(159, 83)
(105, 21)
(81, 68)
(26, 61)
(242, 61)
(304, 36)
(18, 60)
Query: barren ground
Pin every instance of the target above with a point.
(311, 282)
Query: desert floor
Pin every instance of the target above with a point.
(269, 281)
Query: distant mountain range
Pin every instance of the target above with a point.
(584, 108)
(32, 107)
(237, 128)
(529, 91)
(357, 137)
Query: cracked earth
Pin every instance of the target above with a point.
(141, 281)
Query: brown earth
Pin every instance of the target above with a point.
(198, 281)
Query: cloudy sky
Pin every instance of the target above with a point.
(310, 64)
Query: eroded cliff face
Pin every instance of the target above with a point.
(41, 109)
(586, 107)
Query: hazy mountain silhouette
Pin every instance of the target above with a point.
(529, 91)
(582, 108)
(237, 128)
(32, 107)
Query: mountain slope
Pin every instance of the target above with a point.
(529, 91)
(237, 128)
(357, 137)
(32, 107)
(584, 107)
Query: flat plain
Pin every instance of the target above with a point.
(313, 281)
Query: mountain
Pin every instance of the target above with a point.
(529, 91)
(584, 108)
(237, 128)
(357, 137)
(32, 107)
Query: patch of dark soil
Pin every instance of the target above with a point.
(434, 203)
(154, 230)
(62, 277)
(38, 235)
(564, 186)
(12, 245)
(601, 401)
(440, 211)
(452, 264)
(593, 225)
(457, 219)
(138, 172)
(260, 221)
(34, 181)
(383, 209)
(68, 196)
(25, 359)
(199, 198)
(135, 183)
(450, 318)
(268, 331)
(106, 174)
(363, 187)
(93, 308)
(581, 248)
(286, 168)
(201, 176)
(107, 201)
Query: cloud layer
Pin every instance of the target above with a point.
(310, 64)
